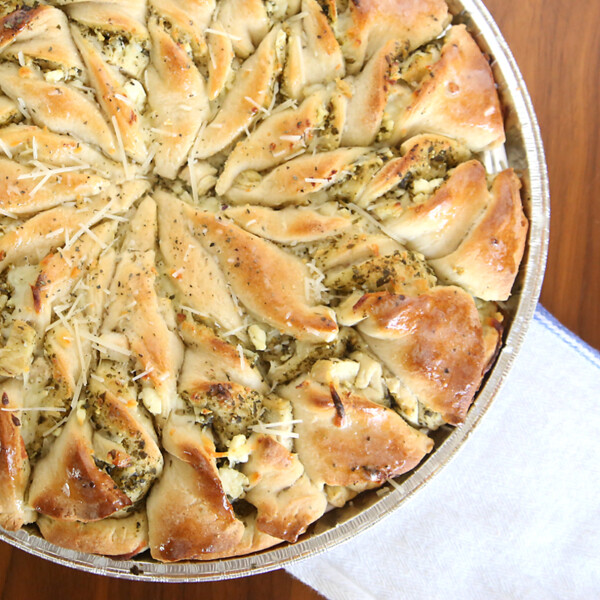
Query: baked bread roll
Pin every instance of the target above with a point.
(250, 258)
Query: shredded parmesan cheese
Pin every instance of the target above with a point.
(288, 158)
(124, 99)
(273, 97)
(363, 213)
(51, 172)
(233, 331)
(8, 214)
(4, 147)
(260, 428)
(164, 132)
(94, 237)
(33, 408)
(143, 374)
(321, 180)
(85, 227)
(256, 104)
(55, 233)
(193, 311)
(235, 38)
(146, 164)
(290, 138)
(104, 344)
(279, 423)
(212, 58)
(52, 429)
(121, 146)
(285, 105)
(23, 108)
(39, 186)
(297, 17)
(79, 350)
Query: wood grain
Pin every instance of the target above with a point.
(557, 46)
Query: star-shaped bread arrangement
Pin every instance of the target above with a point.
(250, 257)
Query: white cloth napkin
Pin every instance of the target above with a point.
(516, 514)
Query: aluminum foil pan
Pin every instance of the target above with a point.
(524, 152)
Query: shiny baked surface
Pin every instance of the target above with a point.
(248, 263)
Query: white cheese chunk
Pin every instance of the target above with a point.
(136, 93)
(54, 76)
(258, 337)
(233, 482)
(423, 186)
(151, 400)
(239, 450)
(335, 370)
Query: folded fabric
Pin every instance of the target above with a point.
(516, 514)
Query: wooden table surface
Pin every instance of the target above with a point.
(557, 46)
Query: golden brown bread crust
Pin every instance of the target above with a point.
(189, 19)
(296, 179)
(436, 226)
(265, 147)
(15, 22)
(177, 96)
(177, 242)
(40, 33)
(372, 89)
(117, 537)
(95, 12)
(67, 484)
(286, 501)
(18, 195)
(189, 514)
(111, 17)
(492, 322)
(253, 81)
(368, 24)
(252, 540)
(345, 439)
(459, 99)
(211, 358)
(313, 53)
(111, 95)
(288, 225)
(14, 462)
(156, 348)
(248, 262)
(246, 22)
(487, 260)
(60, 270)
(58, 150)
(433, 342)
(57, 106)
(37, 236)
(220, 48)
(424, 155)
